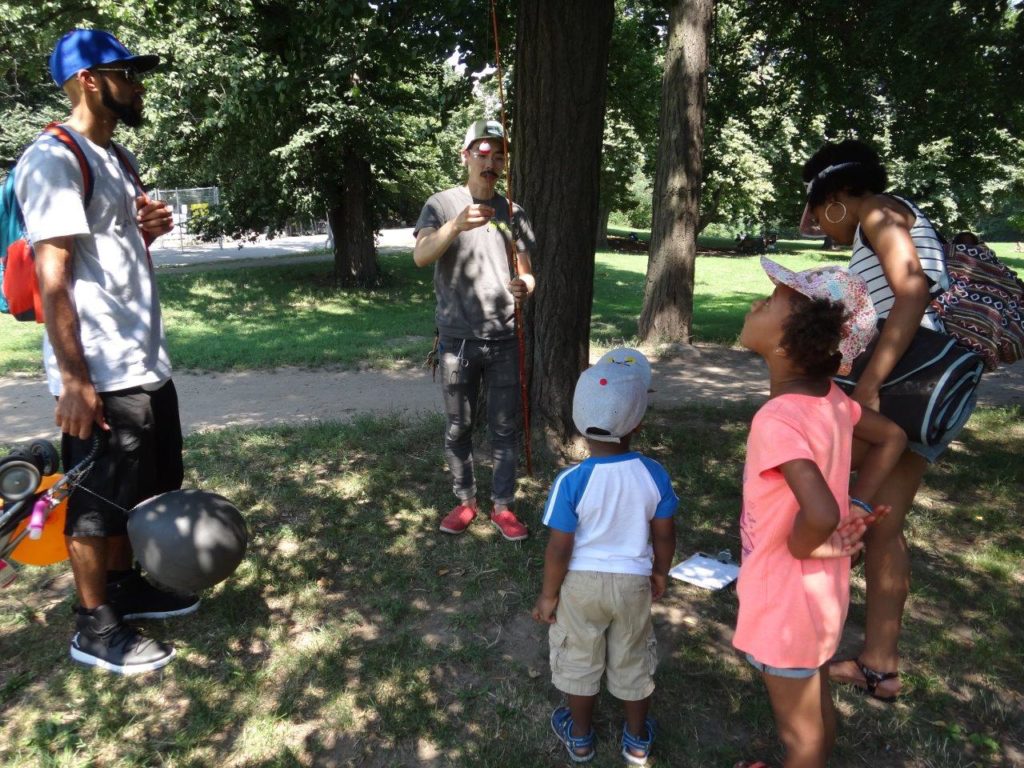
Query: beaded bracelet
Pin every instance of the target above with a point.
(863, 505)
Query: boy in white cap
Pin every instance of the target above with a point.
(612, 537)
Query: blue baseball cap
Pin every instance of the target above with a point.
(87, 48)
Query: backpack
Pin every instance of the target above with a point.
(983, 305)
(20, 295)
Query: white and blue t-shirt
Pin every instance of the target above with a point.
(608, 504)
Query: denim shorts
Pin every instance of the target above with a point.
(796, 673)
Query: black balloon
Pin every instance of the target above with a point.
(188, 540)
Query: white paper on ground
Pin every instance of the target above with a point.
(705, 571)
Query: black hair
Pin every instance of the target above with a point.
(861, 172)
(811, 335)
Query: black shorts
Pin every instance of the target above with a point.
(139, 457)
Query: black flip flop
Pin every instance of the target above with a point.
(872, 679)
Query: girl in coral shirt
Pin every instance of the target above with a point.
(801, 522)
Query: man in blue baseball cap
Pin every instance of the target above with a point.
(98, 51)
(90, 223)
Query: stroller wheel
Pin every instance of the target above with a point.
(18, 479)
(45, 457)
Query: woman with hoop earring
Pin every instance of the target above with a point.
(900, 255)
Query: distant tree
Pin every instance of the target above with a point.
(561, 75)
(631, 115)
(933, 84)
(312, 107)
(668, 292)
(750, 127)
(296, 109)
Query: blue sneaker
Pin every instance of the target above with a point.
(561, 724)
(632, 744)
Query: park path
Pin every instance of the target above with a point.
(701, 373)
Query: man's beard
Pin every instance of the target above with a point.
(126, 113)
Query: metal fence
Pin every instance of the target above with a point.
(187, 204)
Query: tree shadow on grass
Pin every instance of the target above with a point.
(355, 634)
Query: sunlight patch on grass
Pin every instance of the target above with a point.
(264, 736)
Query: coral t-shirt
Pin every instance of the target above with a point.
(792, 611)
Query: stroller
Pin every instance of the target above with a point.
(33, 495)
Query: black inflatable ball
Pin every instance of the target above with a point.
(188, 540)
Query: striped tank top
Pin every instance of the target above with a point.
(864, 262)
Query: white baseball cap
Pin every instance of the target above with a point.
(629, 356)
(610, 401)
(483, 129)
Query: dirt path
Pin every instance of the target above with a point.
(704, 373)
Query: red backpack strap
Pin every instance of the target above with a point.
(64, 136)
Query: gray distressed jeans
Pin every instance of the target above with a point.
(464, 365)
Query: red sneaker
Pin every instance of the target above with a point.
(458, 519)
(509, 525)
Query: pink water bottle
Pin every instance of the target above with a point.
(38, 517)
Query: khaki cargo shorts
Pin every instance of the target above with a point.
(603, 626)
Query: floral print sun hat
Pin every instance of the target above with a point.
(838, 285)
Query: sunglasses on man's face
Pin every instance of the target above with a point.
(498, 158)
(128, 73)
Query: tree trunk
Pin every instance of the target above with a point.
(603, 212)
(561, 77)
(355, 258)
(668, 294)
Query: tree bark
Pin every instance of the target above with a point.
(561, 77)
(603, 214)
(355, 258)
(668, 293)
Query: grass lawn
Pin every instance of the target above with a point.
(263, 317)
(355, 634)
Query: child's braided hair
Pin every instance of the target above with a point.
(811, 335)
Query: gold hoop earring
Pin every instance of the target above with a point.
(830, 219)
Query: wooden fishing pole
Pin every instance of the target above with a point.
(511, 248)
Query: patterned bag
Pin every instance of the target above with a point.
(983, 307)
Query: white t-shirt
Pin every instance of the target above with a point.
(114, 289)
(608, 504)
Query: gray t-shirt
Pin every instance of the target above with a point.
(114, 289)
(471, 278)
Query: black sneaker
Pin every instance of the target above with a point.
(104, 641)
(135, 598)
